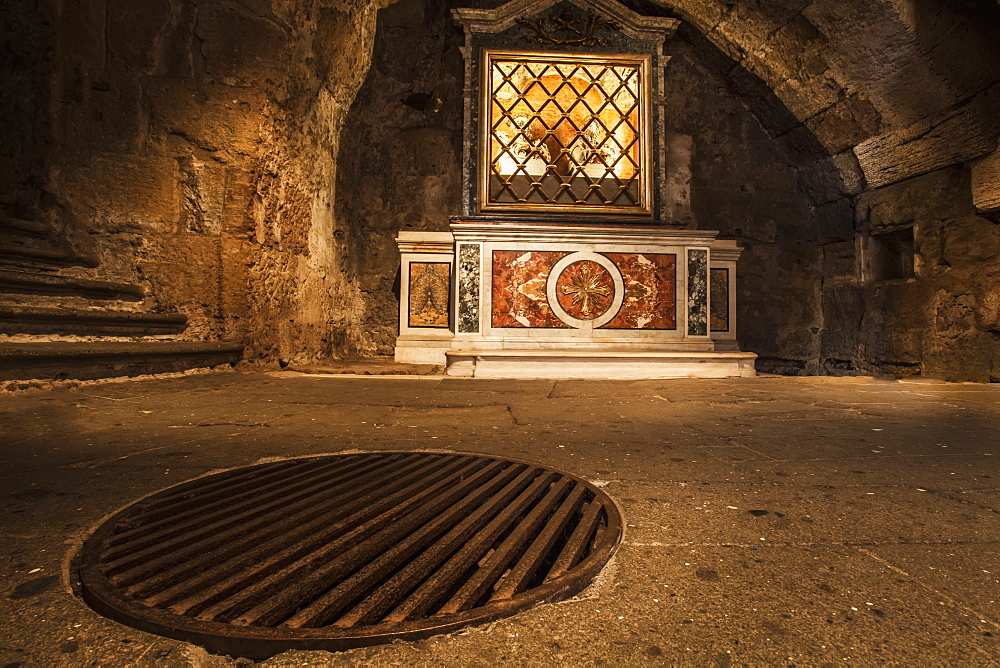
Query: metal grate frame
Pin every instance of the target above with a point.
(343, 551)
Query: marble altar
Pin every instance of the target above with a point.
(571, 301)
(561, 264)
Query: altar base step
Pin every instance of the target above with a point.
(608, 365)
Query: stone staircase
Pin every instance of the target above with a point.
(59, 322)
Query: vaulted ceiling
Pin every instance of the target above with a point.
(906, 86)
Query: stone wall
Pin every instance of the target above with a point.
(889, 108)
(401, 154)
(943, 320)
(195, 147)
(728, 173)
(26, 64)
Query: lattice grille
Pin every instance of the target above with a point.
(565, 133)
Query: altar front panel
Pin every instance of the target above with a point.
(545, 286)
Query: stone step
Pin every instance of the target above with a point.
(29, 283)
(621, 364)
(32, 243)
(370, 366)
(44, 320)
(90, 360)
(17, 252)
(16, 226)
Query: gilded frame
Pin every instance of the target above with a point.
(644, 207)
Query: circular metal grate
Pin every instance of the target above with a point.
(343, 551)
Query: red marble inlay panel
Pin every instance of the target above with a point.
(519, 279)
(585, 290)
(650, 291)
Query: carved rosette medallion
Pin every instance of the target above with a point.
(585, 290)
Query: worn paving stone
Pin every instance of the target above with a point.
(958, 471)
(722, 513)
(846, 523)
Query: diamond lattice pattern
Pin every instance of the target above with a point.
(565, 133)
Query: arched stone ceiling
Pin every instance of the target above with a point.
(908, 85)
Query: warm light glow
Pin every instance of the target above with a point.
(564, 132)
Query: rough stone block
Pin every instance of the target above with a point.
(828, 180)
(87, 40)
(725, 45)
(844, 307)
(184, 273)
(203, 190)
(900, 306)
(839, 261)
(745, 26)
(966, 356)
(897, 347)
(803, 146)
(294, 219)
(115, 120)
(134, 30)
(241, 48)
(769, 13)
(800, 344)
(986, 182)
(987, 293)
(840, 345)
(705, 14)
(225, 120)
(746, 214)
(932, 197)
(876, 46)
(240, 188)
(807, 95)
(343, 47)
(960, 134)
(954, 313)
(971, 239)
(928, 249)
(124, 193)
(772, 112)
(236, 259)
(898, 314)
(844, 124)
(834, 222)
(677, 172)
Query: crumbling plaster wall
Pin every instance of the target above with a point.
(196, 143)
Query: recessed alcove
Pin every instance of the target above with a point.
(892, 255)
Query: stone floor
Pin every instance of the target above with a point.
(879, 544)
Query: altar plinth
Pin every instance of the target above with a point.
(563, 300)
